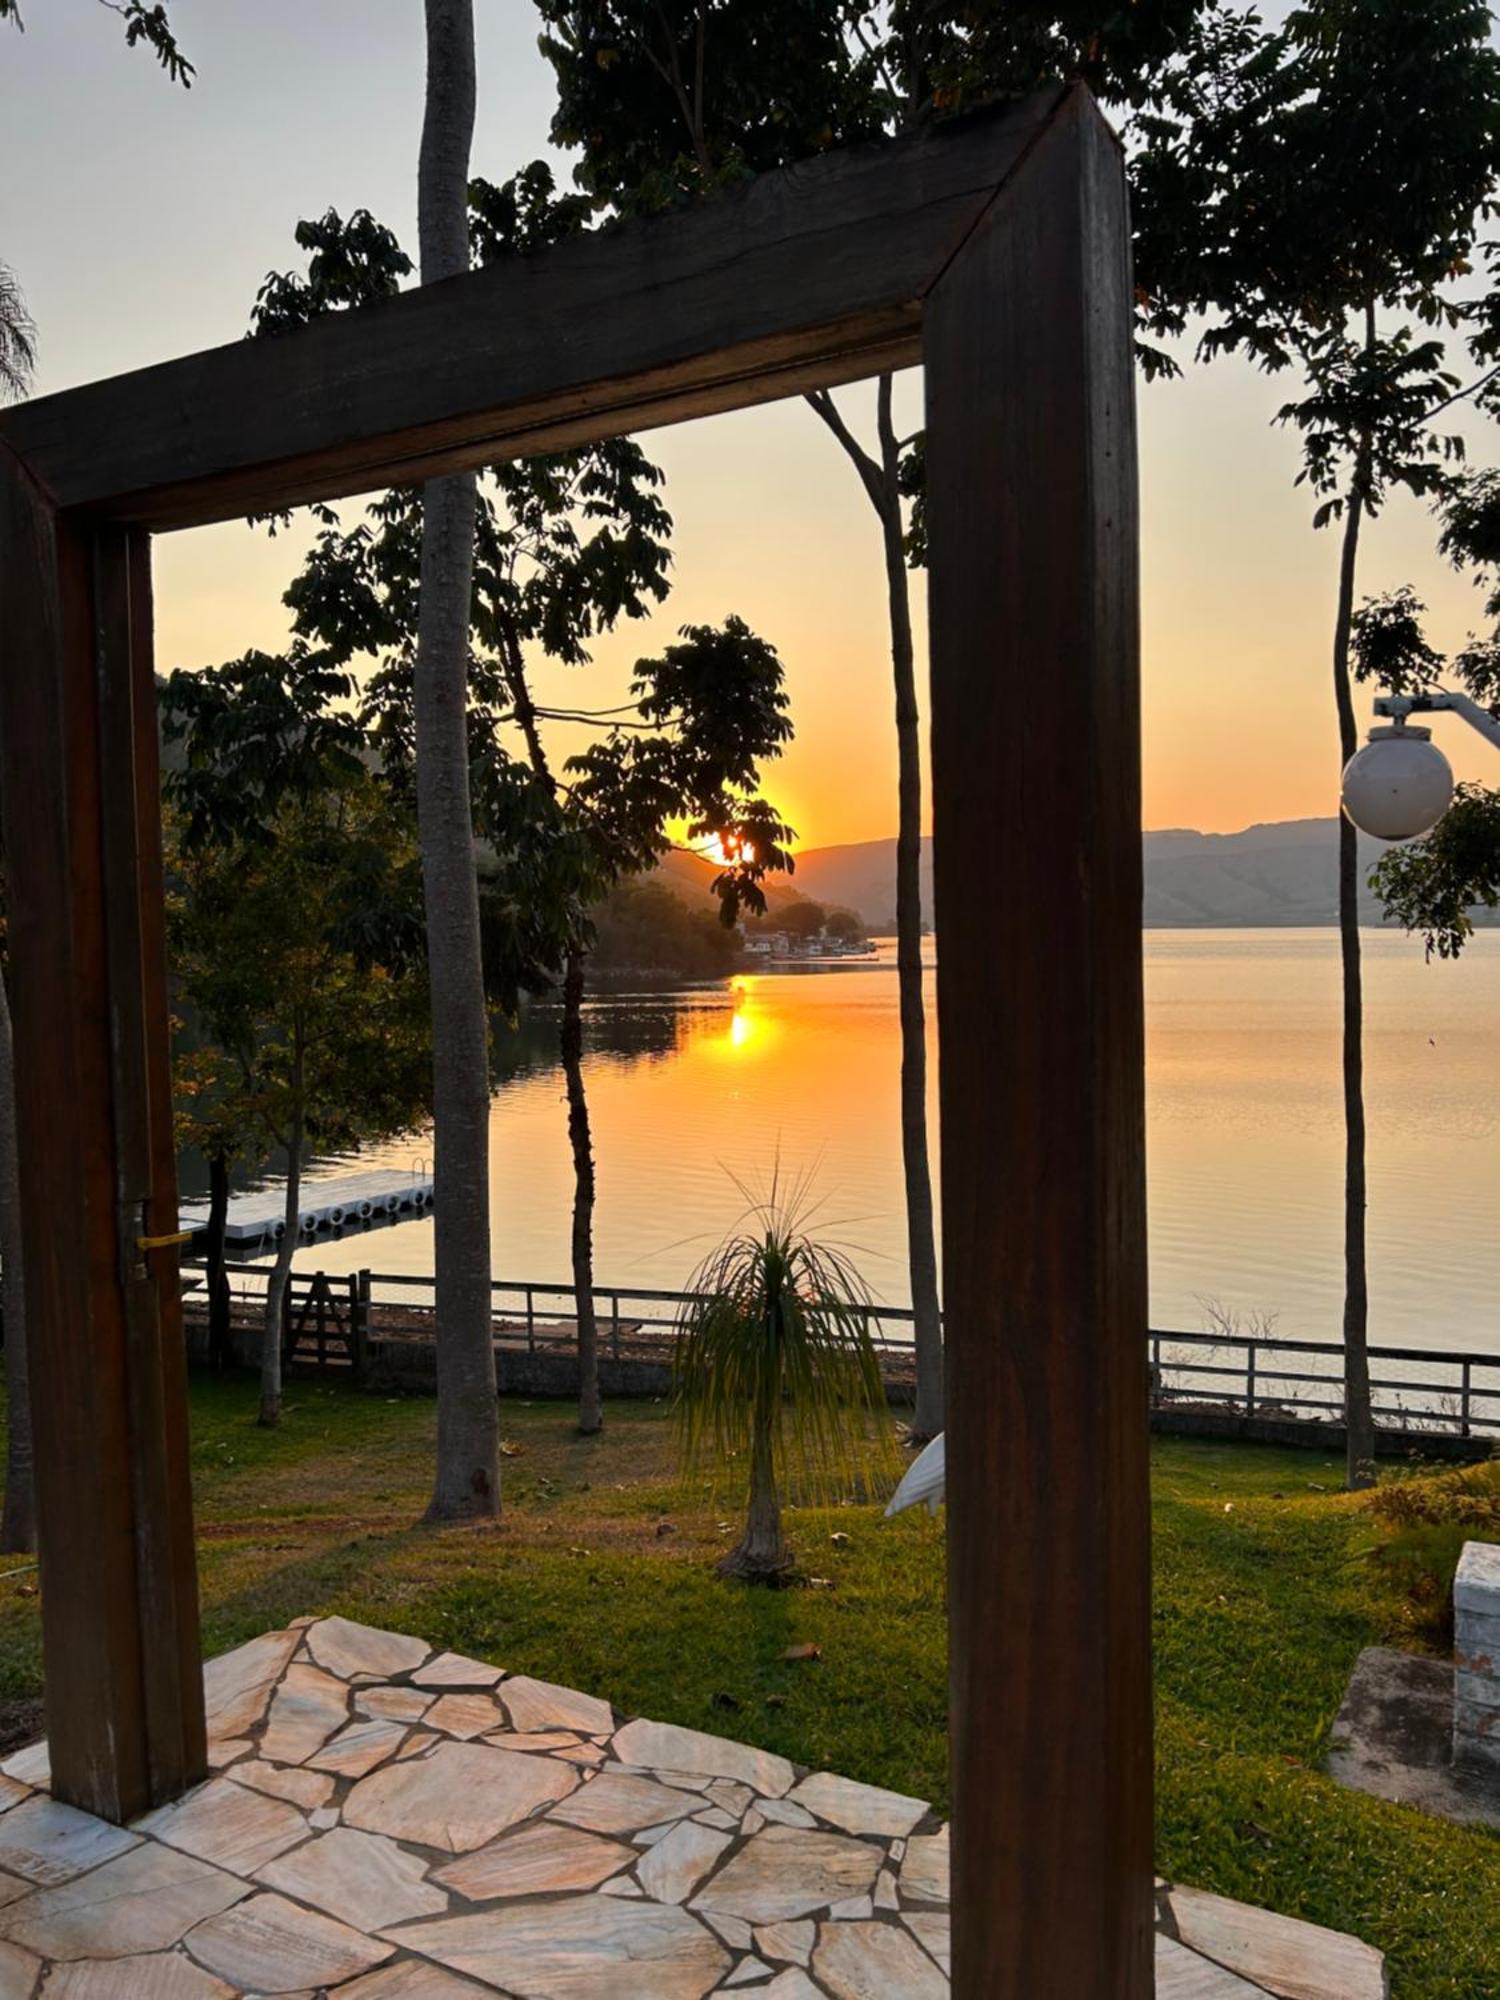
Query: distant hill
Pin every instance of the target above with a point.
(1281, 874)
(1284, 873)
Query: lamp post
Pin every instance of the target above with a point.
(1400, 784)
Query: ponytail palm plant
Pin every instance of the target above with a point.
(774, 1366)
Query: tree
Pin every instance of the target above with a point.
(542, 583)
(667, 104)
(882, 479)
(668, 99)
(1363, 433)
(1432, 885)
(804, 918)
(537, 579)
(846, 926)
(467, 1481)
(565, 547)
(708, 710)
(774, 1367)
(293, 927)
(642, 926)
(1340, 217)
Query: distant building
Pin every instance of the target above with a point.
(774, 946)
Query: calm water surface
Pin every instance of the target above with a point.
(694, 1087)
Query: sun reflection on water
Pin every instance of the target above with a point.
(750, 1026)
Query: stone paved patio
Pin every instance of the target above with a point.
(387, 1822)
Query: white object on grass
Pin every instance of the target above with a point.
(926, 1480)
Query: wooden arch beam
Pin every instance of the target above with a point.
(995, 251)
(810, 276)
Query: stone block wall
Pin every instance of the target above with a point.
(1476, 1656)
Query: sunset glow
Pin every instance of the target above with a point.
(769, 521)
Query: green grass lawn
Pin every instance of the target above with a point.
(601, 1576)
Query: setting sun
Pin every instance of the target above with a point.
(724, 853)
(720, 850)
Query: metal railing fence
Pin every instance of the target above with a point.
(1445, 1391)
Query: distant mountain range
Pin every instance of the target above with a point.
(1280, 874)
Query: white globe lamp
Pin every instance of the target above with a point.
(1399, 785)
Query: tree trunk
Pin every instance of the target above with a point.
(276, 1286)
(215, 1276)
(762, 1555)
(590, 1413)
(921, 1235)
(570, 1043)
(467, 1481)
(18, 1525)
(880, 483)
(1359, 1423)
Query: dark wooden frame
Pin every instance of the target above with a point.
(996, 251)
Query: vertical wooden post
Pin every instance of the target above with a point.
(363, 1350)
(1031, 489)
(98, 1174)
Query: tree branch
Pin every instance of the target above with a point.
(1463, 395)
(692, 117)
(868, 468)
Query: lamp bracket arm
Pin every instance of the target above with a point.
(1399, 706)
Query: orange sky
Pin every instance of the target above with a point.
(293, 111)
(1237, 607)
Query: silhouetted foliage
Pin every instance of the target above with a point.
(1432, 886)
(1388, 646)
(146, 26)
(643, 926)
(295, 922)
(17, 337)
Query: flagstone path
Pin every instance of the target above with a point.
(388, 1822)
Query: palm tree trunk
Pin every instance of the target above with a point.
(18, 1524)
(467, 1482)
(1359, 1423)
(762, 1555)
(590, 1412)
(276, 1286)
(880, 483)
(215, 1276)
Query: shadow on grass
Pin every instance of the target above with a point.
(658, 1634)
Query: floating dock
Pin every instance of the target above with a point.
(345, 1202)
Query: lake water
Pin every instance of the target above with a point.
(695, 1086)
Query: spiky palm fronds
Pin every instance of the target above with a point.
(777, 1350)
(17, 338)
